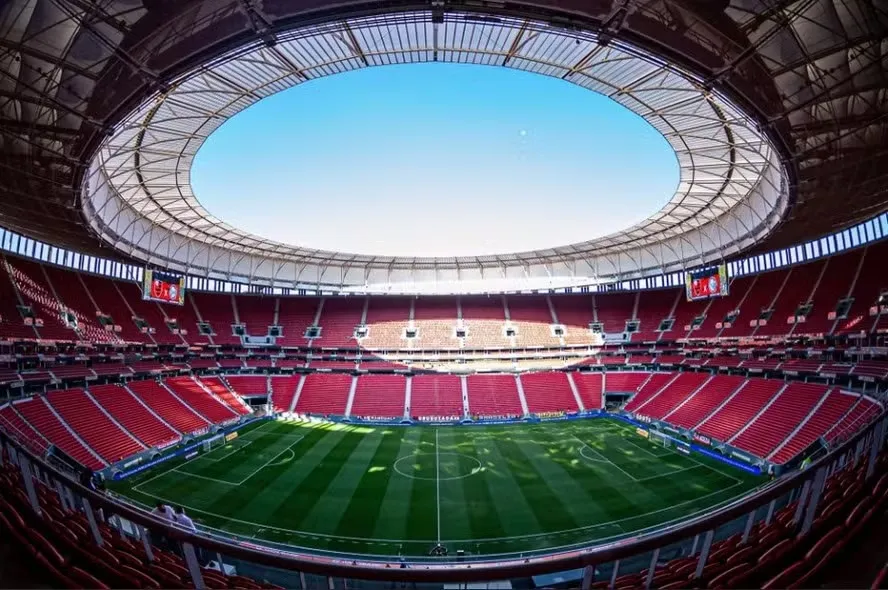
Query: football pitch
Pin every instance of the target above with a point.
(401, 490)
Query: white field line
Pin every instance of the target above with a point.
(379, 541)
(438, 484)
(267, 463)
(672, 452)
(178, 470)
(587, 446)
(238, 448)
(481, 540)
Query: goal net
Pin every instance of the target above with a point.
(211, 444)
(658, 438)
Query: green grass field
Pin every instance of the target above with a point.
(385, 490)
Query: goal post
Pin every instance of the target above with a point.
(658, 438)
(212, 443)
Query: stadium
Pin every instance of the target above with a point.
(693, 399)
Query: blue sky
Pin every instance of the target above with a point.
(434, 160)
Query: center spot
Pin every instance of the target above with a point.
(441, 466)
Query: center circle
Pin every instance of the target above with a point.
(437, 466)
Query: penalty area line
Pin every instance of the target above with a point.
(609, 462)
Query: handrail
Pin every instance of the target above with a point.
(458, 572)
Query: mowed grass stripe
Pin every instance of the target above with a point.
(516, 516)
(548, 508)
(455, 510)
(394, 510)
(331, 505)
(479, 505)
(363, 509)
(337, 487)
(256, 501)
(422, 525)
(325, 466)
(565, 479)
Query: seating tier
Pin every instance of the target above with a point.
(191, 392)
(740, 409)
(41, 418)
(168, 407)
(827, 415)
(706, 401)
(218, 388)
(324, 394)
(92, 425)
(436, 395)
(548, 392)
(647, 389)
(779, 420)
(590, 386)
(283, 390)
(676, 392)
(494, 395)
(379, 396)
(132, 415)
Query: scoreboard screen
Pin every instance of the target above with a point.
(707, 282)
(163, 287)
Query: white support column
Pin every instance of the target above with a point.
(575, 391)
(197, 314)
(741, 302)
(810, 297)
(277, 311)
(234, 311)
(521, 397)
(465, 395)
(671, 314)
(351, 396)
(317, 318)
(297, 394)
(705, 315)
(126, 303)
(851, 287)
(552, 311)
(603, 388)
(364, 310)
(408, 392)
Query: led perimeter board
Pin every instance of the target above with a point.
(163, 287)
(707, 282)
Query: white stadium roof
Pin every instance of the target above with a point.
(137, 194)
